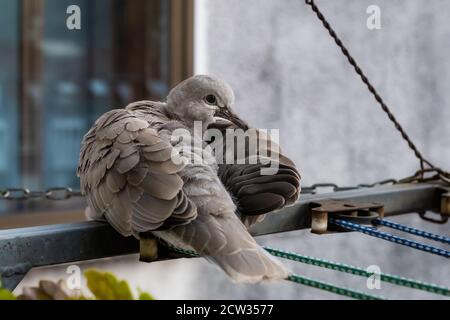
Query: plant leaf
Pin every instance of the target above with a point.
(145, 296)
(105, 286)
(5, 294)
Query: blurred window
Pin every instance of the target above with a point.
(54, 82)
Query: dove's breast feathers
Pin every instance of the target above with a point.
(128, 175)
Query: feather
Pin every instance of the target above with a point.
(124, 165)
(136, 176)
(136, 125)
(261, 203)
(115, 181)
(125, 137)
(167, 167)
(148, 137)
(162, 186)
(111, 158)
(156, 147)
(160, 155)
(120, 184)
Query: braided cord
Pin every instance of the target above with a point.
(332, 288)
(299, 279)
(389, 237)
(371, 88)
(414, 231)
(397, 280)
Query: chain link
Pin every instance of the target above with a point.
(54, 194)
(15, 193)
(425, 175)
(313, 189)
(64, 193)
(443, 218)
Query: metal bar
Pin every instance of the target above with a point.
(397, 199)
(25, 248)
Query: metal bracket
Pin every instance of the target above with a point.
(443, 211)
(359, 212)
(148, 247)
(445, 204)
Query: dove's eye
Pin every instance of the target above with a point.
(210, 99)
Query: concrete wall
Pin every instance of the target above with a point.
(287, 73)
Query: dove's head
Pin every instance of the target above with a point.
(201, 98)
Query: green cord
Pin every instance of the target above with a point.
(332, 288)
(397, 280)
(301, 280)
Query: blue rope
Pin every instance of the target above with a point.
(389, 237)
(414, 231)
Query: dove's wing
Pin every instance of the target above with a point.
(129, 174)
(257, 194)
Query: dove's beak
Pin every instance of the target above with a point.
(228, 114)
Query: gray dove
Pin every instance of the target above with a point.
(134, 173)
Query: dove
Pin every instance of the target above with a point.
(134, 172)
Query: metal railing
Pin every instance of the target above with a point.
(25, 248)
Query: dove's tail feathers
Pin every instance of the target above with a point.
(250, 265)
(235, 251)
(223, 239)
(249, 221)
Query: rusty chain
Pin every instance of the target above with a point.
(313, 189)
(420, 176)
(64, 193)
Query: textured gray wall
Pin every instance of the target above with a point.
(288, 74)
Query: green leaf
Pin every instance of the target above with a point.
(105, 286)
(5, 294)
(145, 296)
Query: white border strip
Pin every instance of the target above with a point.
(200, 37)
